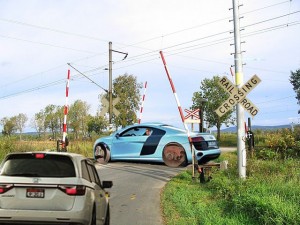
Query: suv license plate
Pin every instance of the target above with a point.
(35, 193)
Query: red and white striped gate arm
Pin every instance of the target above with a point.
(180, 112)
(176, 97)
(66, 111)
(142, 104)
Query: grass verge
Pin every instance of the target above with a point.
(269, 195)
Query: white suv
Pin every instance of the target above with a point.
(52, 188)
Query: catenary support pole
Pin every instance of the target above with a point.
(110, 108)
(239, 82)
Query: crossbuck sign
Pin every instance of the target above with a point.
(192, 114)
(238, 95)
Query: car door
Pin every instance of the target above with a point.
(100, 195)
(152, 144)
(128, 144)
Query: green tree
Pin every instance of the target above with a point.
(52, 119)
(214, 96)
(78, 118)
(295, 81)
(38, 123)
(9, 125)
(60, 116)
(21, 120)
(127, 89)
(97, 124)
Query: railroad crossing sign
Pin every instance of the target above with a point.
(192, 114)
(105, 106)
(238, 95)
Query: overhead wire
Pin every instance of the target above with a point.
(47, 44)
(52, 29)
(144, 61)
(94, 38)
(207, 44)
(188, 48)
(50, 84)
(203, 24)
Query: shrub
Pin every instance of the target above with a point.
(279, 145)
(7, 145)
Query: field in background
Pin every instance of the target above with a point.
(8, 145)
(278, 144)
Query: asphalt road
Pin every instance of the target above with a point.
(135, 195)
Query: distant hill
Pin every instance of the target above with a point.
(256, 127)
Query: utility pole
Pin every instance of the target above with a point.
(110, 108)
(239, 83)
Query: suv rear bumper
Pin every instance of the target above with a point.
(44, 217)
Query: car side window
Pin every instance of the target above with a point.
(85, 172)
(136, 131)
(93, 179)
(129, 133)
(147, 131)
(96, 175)
(93, 174)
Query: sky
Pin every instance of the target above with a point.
(39, 38)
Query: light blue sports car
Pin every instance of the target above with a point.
(156, 142)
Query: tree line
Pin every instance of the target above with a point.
(81, 124)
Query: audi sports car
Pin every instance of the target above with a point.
(156, 142)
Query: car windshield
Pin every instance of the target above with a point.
(38, 165)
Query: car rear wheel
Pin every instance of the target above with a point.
(174, 155)
(102, 154)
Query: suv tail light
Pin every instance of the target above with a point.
(73, 190)
(5, 187)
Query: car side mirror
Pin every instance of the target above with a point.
(117, 135)
(107, 184)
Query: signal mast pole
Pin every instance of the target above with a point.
(239, 83)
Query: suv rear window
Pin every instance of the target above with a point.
(38, 165)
